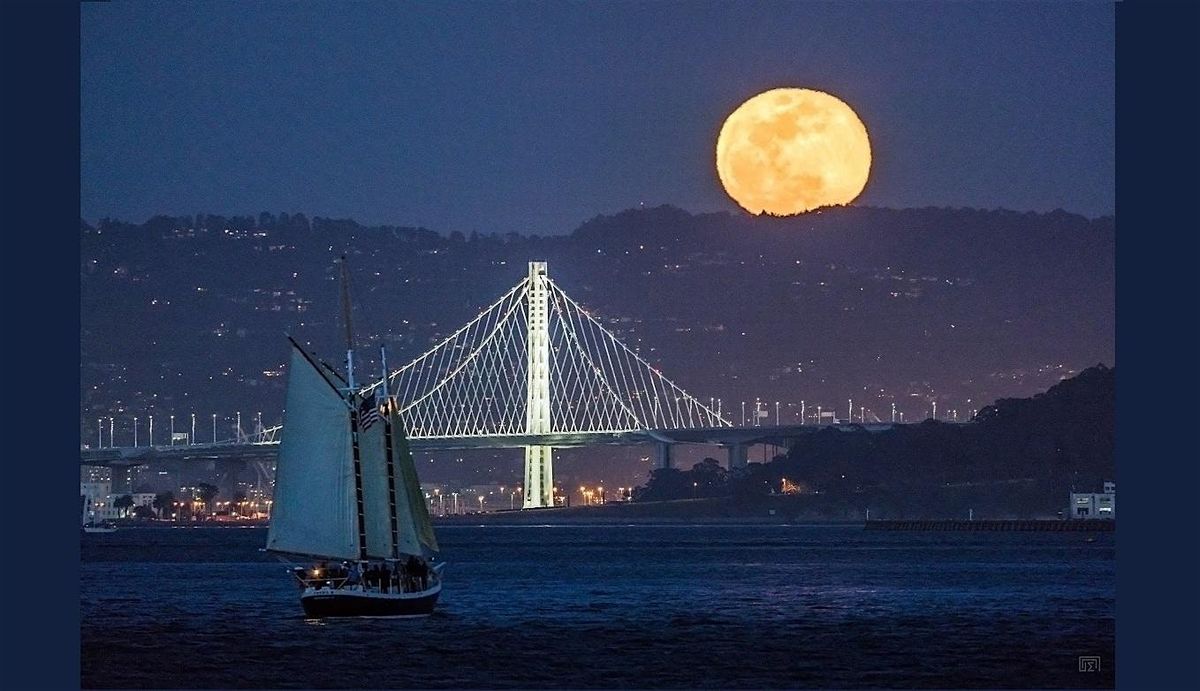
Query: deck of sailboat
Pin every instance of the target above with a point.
(354, 601)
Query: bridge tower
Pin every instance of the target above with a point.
(539, 463)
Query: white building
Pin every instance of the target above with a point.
(1087, 506)
(94, 499)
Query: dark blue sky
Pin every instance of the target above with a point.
(534, 117)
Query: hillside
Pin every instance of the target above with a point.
(958, 306)
(1019, 458)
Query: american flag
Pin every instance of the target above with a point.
(368, 412)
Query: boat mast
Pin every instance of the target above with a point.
(391, 468)
(345, 276)
(353, 400)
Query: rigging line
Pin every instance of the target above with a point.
(635, 355)
(443, 342)
(637, 378)
(485, 389)
(515, 395)
(592, 408)
(450, 376)
(447, 356)
(616, 369)
(482, 387)
(489, 367)
(590, 331)
(597, 369)
(588, 344)
(566, 371)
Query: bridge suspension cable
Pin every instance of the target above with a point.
(473, 382)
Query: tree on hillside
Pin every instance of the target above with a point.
(207, 494)
(123, 503)
(163, 502)
(709, 478)
(238, 498)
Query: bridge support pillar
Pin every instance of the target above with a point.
(737, 456)
(539, 477)
(663, 458)
(539, 470)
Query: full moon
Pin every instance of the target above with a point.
(787, 151)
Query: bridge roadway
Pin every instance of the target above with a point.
(736, 440)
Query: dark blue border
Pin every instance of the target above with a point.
(40, 111)
(1157, 348)
(1158, 251)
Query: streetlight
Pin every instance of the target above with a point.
(135, 431)
(239, 427)
(192, 436)
(111, 427)
(481, 503)
(776, 413)
(100, 433)
(172, 430)
(214, 428)
(151, 430)
(802, 411)
(743, 413)
(694, 486)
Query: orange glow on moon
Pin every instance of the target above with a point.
(787, 151)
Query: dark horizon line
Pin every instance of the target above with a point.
(640, 208)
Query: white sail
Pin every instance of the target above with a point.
(388, 534)
(315, 507)
(412, 513)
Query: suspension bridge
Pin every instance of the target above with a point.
(534, 370)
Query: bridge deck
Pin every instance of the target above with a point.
(715, 436)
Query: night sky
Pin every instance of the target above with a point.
(534, 117)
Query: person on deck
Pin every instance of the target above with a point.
(423, 573)
(411, 569)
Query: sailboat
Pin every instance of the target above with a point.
(347, 496)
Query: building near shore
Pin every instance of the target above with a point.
(94, 498)
(1089, 506)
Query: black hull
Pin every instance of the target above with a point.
(351, 604)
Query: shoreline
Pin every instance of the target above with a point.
(767, 510)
